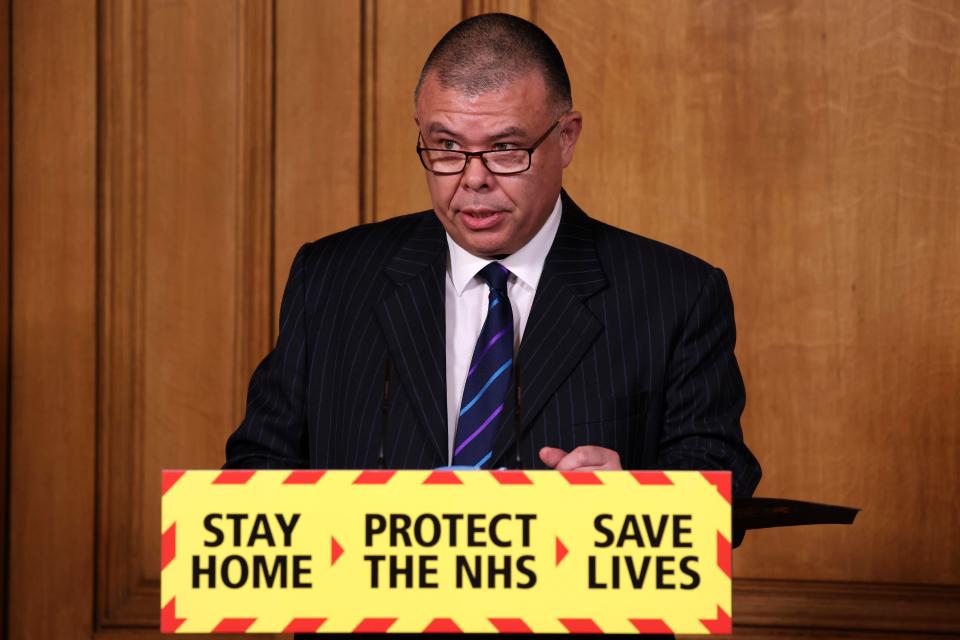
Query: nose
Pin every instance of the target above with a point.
(476, 177)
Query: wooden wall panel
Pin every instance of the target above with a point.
(5, 95)
(121, 259)
(196, 85)
(872, 335)
(402, 32)
(318, 142)
(187, 182)
(521, 8)
(53, 319)
(318, 132)
(809, 149)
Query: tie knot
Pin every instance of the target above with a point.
(495, 275)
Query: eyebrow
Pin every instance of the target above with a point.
(509, 132)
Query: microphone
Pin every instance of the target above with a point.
(517, 415)
(384, 411)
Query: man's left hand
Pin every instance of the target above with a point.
(586, 458)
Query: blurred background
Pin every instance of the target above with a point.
(164, 159)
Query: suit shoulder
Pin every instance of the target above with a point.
(648, 269)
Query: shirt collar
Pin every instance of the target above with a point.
(526, 263)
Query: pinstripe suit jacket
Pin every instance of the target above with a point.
(629, 346)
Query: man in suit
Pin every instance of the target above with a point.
(623, 347)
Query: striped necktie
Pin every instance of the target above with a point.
(488, 379)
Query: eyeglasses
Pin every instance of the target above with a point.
(502, 162)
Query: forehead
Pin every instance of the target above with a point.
(519, 105)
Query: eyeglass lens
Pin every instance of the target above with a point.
(506, 161)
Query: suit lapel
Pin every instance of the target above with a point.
(561, 328)
(412, 319)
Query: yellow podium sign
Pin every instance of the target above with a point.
(447, 551)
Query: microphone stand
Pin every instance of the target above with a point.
(385, 409)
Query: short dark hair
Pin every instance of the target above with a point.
(486, 52)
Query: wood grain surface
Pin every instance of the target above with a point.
(170, 156)
(5, 208)
(810, 149)
(53, 320)
(403, 33)
(318, 177)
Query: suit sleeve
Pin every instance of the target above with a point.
(704, 395)
(273, 432)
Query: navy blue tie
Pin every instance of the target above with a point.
(488, 379)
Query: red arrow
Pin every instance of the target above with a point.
(561, 551)
(335, 551)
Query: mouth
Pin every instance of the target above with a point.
(476, 219)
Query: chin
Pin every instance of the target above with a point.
(485, 252)
(488, 249)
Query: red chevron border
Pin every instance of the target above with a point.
(508, 476)
(443, 477)
(374, 625)
(722, 624)
(374, 476)
(643, 625)
(168, 478)
(169, 622)
(304, 476)
(442, 625)
(233, 625)
(168, 546)
(721, 480)
(234, 476)
(580, 625)
(724, 555)
(510, 625)
(651, 477)
(581, 477)
(304, 625)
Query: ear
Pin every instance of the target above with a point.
(569, 134)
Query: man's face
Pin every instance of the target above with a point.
(484, 213)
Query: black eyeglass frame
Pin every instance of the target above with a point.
(482, 155)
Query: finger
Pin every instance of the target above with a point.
(578, 458)
(584, 457)
(608, 466)
(551, 456)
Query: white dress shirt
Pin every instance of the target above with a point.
(466, 302)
